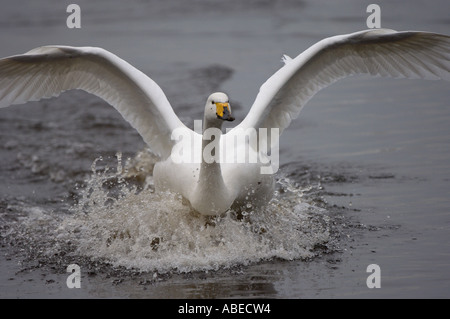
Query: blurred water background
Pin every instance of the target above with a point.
(365, 168)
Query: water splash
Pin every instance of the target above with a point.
(149, 231)
(119, 221)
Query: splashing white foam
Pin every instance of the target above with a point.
(152, 231)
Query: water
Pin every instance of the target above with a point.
(364, 176)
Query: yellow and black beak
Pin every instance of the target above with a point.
(223, 111)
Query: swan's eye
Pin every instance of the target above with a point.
(212, 102)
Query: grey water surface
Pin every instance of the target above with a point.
(371, 154)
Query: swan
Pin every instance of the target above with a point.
(217, 181)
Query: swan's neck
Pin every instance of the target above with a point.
(210, 170)
(212, 195)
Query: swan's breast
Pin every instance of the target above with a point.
(176, 177)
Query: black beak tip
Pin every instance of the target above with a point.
(228, 118)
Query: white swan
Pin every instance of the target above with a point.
(212, 188)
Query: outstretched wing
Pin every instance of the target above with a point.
(47, 71)
(377, 52)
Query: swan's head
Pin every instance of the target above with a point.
(218, 107)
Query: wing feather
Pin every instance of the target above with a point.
(380, 52)
(47, 71)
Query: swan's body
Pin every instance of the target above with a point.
(225, 180)
(212, 188)
(228, 184)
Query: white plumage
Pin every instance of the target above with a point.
(213, 188)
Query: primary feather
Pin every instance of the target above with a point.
(378, 52)
(47, 71)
